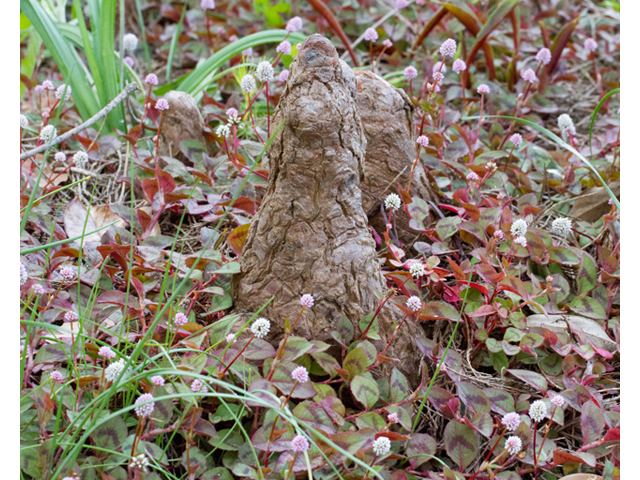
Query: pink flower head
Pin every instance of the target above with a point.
(558, 400)
(38, 289)
(393, 418)
(516, 139)
(610, 202)
(56, 376)
(207, 4)
(530, 76)
(151, 79)
(300, 375)
(67, 273)
(299, 444)
(48, 84)
(549, 279)
(438, 76)
(420, 2)
(513, 445)
(181, 319)
(129, 61)
(590, 45)
(370, 34)
(459, 66)
(284, 48)
(162, 104)
(284, 76)
(38, 89)
(543, 56)
(448, 48)
(146, 409)
(414, 304)
(387, 43)
(423, 141)
(483, 89)
(401, 4)
(106, 352)
(499, 234)
(511, 421)
(71, 317)
(307, 300)
(231, 112)
(157, 380)
(434, 87)
(294, 24)
(198, 386)
(439, 67)
(410, 73)
(248, 52)
(473, 177)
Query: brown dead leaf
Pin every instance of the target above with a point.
(75, 217)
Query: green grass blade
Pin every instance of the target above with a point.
(65, 57)
(559, 141)
(66, 240)
(143, 34)
(88, 50)
(595, 112)
(174, 42)
(199, 78)
(108, 66)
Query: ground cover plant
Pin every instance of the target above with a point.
(173, 325)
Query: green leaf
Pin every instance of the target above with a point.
(418, 210)
(563, 255)
(439, 310)
(348, 441)
(501, 401)
(344, 331)
(588, 307)
(355, 362)
(399, 386)
(111, 434)
(422, 446)
(446, 227)
(375, 326)
(460, 443)
(587, 275)
(201, 76)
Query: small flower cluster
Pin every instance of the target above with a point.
(260, 327)
(392, 202)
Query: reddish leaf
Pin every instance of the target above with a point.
(460, 443)
(560, 43)
(150, 188)
(473, 398)
(561, 457)
(613, 435)
(166, 182)
(591, 422)
(237, 238)
(534, 379)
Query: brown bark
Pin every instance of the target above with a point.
(310, 234)
(387, 117)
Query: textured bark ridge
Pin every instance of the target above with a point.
(310, 234)
(387, 117)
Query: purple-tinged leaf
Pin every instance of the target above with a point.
(591, 422)
(501, 402)
(351, 442)
(534, 379)
(399, 387)
(473, 398)
(587, 277)
(365, 391)
(484, 423)
(421, 445)
(439, 310)
(563, 256)
(460, 443)
(561, 457)
(588, 307)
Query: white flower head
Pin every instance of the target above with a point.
(112, 372)
(417, 269)
(538, 411)
(231, 338)
(459, 66)
(248, 83)
(381, 446)
(392, 201)
(48, 133)
(130, 42)
(519, 228)
(414, 304)
(511, 421)
(24, 276)
(566, 126)
(81, 159)
(561, 226)
(448, 48)
(264, 72)
(520, 241)
(558, 400)
(223, 131)
(139, 461)
(260, 327)
(60, 157)
(24, 122)
(543, 56)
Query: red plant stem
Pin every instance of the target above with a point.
(280, 352)
(380, 305)
(547, 426)
(384, 49)
(220, 375)
(464, 95)
(293, 462)
(535, 459)
(394, 334)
